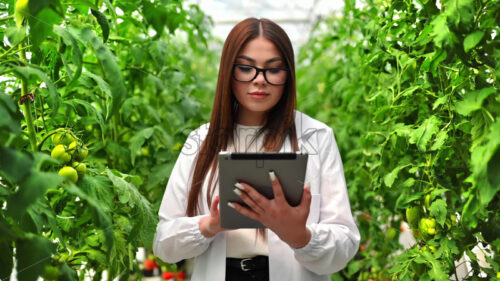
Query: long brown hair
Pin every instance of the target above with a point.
(280, 120)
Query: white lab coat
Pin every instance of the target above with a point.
(335, 237)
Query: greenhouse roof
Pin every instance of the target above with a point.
(296, 17)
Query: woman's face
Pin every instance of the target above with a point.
(257, 97)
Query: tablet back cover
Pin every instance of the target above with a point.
(253, 168)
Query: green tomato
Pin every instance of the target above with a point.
(391, 233)
(51, 273)
(68, 139)
(63, 138)
(69, 173)
(67, 157)
(80, 168)
(427, 227)
(72, 147)
(413, 215)
(82, 153)
(59, 153)
(56, 139)
(427, 201)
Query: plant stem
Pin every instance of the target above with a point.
(27, 105)
(130, 258)
(6, 18)
(43, 118)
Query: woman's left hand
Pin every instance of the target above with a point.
(288, 222)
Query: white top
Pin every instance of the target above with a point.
(335, 237)
(245, 242)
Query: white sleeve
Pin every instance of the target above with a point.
(177, 236)
(335, 238)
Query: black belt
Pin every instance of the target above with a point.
(255, 263)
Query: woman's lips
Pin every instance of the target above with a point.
(259, 95)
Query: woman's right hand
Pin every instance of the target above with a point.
(210, 225)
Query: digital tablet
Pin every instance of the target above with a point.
(253, 168)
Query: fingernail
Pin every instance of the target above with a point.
(239, 186)
(308, 184)
(272, 176)
(237, 191)
(231, 205)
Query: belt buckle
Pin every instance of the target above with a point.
(243, 266)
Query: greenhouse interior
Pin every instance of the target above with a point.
(383, 118)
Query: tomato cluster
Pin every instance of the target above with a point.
(70, 152)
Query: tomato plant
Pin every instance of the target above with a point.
(101, 93)
(410, 89)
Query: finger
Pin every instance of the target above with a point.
(248, 200)
(277, 189)
(214, 207)
(244, 211)
(306, 196)
(260, 200)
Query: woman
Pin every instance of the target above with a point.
(256, 97)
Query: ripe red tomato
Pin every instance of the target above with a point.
(167, 275)
(150, 264)
(181, 275)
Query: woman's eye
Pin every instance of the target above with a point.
(274, 70)
(244, 68)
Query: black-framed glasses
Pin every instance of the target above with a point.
(245, 73)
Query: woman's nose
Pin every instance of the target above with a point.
(260, 78)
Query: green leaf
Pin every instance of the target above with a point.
(353, 267)
(438, 271)
(405, 199)
(424, 133)
(15, 35)
(103, 85)
(111, 71)
(6, 259)
(472, 40)
(91, 110)
(485, 165)
(15, 165)
(473, 101)
(391, 177)
(41, 24)
(443, 37)
(438, 210)
(145, 223)
(155, 15)
(159, 173)
(66, 273)
(26, 72)
(441, 138)
(437, 192)
(76, 52)
(460, 13)
(33, 254)
(493, 169)
(439, 101)
(30, 190)
(469, 219)
(138, 140)
(101, 217)
(103, 22)
(158, 52)
(43, 214)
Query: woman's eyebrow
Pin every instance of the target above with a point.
(252, 60)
